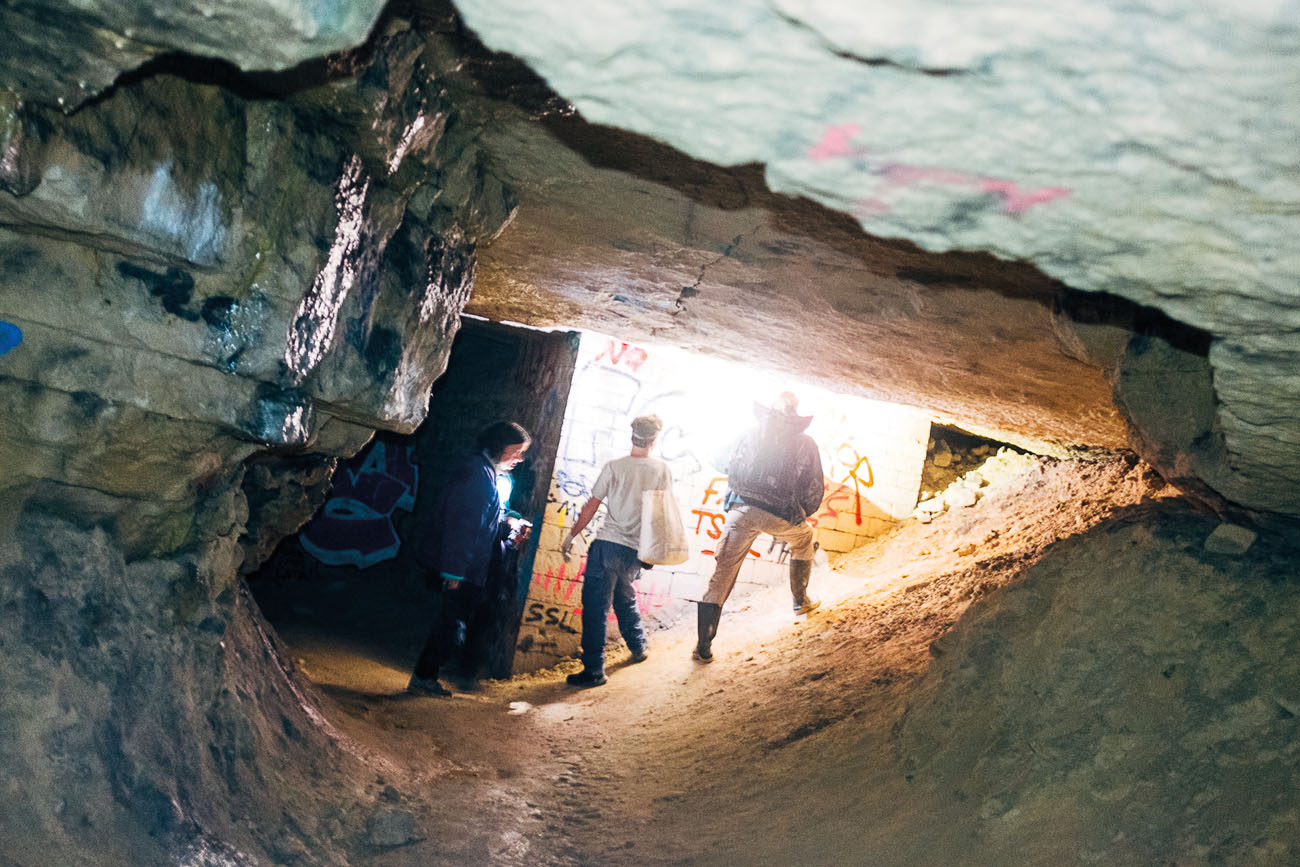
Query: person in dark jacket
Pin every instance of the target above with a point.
(775, 482)
(466, 532)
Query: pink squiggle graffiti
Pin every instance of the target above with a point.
(1016, 200)
(836, 142)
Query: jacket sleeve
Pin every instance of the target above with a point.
(812, 479)
(467, 526)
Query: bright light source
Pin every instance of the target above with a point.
(505, 487)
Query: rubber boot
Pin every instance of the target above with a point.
(800, 572)
(708, 617)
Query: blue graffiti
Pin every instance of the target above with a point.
(10, 336)
(355, 527)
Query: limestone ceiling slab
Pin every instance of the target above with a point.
(1143, 149)
(619, 234)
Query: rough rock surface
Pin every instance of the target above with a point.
(201, 268)
(1140, 149)
(624, 236)
(212, 282)
(1145, 711)
(193, 269)
(66, 52)
(140, 700)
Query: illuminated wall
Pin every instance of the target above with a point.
(872, 453)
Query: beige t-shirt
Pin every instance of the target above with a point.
(619, 487)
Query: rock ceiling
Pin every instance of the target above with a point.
(1136, 150)
(911, 204)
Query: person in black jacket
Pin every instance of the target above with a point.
(466, 532)
(775, 482)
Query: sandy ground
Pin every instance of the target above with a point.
(776, 753)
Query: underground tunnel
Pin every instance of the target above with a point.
(267, 267)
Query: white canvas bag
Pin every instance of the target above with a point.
(663, 538)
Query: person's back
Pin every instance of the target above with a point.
(620, 486)
(774, 482)
(777, 467)
(612, 562)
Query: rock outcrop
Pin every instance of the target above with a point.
(211, 285)
(1137, 149)
(1145, 712)
(235, 240)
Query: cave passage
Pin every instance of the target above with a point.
(790, 711)
(577, 392)
(610, 776)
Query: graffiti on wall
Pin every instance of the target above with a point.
(704, 405)
(837, 143)
(355, 526)
(10, 336)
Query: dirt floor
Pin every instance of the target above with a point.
(772, 754)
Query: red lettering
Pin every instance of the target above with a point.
(633, 356)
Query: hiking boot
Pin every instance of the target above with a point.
(707, 616)
(808, 607)
(638, 656)
(426, 686)
(586, 678)
(800, 572)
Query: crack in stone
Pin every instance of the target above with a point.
(694, 289)
(831, 48)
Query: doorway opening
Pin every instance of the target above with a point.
(351, 574)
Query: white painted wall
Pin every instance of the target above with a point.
(872, 453)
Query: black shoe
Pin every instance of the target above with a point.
(639, 656)
(426, 686)
(586, 678)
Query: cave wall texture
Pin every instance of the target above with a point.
(213, 285)
(234, 240)
(1139, 149)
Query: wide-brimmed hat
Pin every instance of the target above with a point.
(784, 409)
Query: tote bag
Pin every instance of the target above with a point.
(663, 539)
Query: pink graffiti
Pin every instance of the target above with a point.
(835, 143)
(656, 597)
(544, 580)
(1016, 200)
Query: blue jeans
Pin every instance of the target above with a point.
(611, 569)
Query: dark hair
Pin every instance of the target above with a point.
(645, 430)
(495, 438)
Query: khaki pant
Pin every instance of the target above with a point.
(744, 524)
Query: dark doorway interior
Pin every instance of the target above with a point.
(350, 575)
